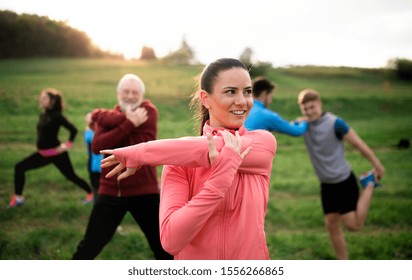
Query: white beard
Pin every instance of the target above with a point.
(123, 105)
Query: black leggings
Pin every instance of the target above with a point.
(94, 180)
(107, 214)
(61, 161)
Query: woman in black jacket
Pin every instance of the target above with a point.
(49, 148)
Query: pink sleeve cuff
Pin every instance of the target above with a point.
(129, 156)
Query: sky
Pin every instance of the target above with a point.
(354, 33)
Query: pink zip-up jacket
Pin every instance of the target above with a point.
(210, 212)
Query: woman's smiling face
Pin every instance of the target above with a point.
(231, 100)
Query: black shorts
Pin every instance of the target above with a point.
(340, 197)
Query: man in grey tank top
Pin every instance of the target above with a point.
(340, 196)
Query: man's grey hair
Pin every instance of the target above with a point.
(134, 78)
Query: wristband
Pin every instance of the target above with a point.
(68, 144)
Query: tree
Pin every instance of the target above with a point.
(147, 53)
(246, 56)
(184, 55)
(37, 36)
(402, 67)
(255, 68)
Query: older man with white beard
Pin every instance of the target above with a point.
(132, 121)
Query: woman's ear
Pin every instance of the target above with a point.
(204, 98)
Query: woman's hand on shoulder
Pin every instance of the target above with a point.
(234, 142)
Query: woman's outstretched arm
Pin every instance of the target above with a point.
(190, 152)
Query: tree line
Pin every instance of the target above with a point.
(25, 35)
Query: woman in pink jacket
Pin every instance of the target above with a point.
(215, 187)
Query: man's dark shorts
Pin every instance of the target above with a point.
(340, 197)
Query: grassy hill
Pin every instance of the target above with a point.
(53, 220)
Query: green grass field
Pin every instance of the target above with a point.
(53, 220)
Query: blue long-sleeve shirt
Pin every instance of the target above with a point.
(262, 118)
(94, 160)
